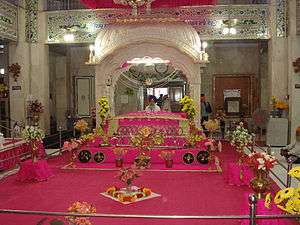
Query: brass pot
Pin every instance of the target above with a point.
(259, 183)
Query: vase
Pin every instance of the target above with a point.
(259, 183)
(35, 119)
(34, 150)
(119, 162)
(169, 163)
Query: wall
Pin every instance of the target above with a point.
(235, 58)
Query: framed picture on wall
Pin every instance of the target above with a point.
(233, 106)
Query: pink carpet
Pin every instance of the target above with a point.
(183, 193)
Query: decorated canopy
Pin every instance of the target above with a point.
(155, 3)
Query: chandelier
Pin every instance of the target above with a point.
(135, 4)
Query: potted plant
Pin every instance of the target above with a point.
(127, 175)
(168, 157)
(119, 152)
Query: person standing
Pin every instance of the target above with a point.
(166, 104)
(205, 109)
(160, 101)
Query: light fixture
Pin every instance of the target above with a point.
(92, 58)
(203, 54)
(2, 71)
(69, 37)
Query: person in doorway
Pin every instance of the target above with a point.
(205, 109)
(166, 104)
(152, 107)
(160, 100)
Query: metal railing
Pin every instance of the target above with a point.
(286, 183)
(252, 216)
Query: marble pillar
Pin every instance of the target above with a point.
(33, 56)
(293, 54)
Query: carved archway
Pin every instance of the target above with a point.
(114, 47)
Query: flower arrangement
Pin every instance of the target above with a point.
(288, 199)
(32, 133)
(146, 139)
(166, 155)
(36, 107)
(15, 70)
(240, 137)
(120, 152)
(103, 108)
(220, 115)
(81, 208)
(188, 106)
(122, 196)
(278, 104)
(87, 137)
(281, 105)
(127, 175)
(3, 90)
(71, 145)
(81, 125)
(261, 161)
(211, 125)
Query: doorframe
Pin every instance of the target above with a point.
(250, 97)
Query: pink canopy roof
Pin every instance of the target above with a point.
(94, 4)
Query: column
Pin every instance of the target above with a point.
(33, 55)
(293, 54)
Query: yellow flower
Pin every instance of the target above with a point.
(268, 200)
(295, 172)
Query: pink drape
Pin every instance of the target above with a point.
(156, 4)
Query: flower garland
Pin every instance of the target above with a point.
(261, 161)
(32, 133)
(82, 208)
(189, 107)
(240, 137)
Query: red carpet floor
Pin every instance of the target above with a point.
(182, 193)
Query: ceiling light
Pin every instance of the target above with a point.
(69, 37)
(232, 31)
(204, 45)
(2, 71)
(92, 47)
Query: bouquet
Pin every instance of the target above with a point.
(127, 175)
(261, 161)
(281, 105)
(240, 137)
(188, 106)
(82, 208)
(211, 125)
(166, 155)
(81, 125)
(32, 133)
(36, 107)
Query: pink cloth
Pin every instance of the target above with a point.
(38, 171)
(239, 174)
(12, 156)
(156, 4)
